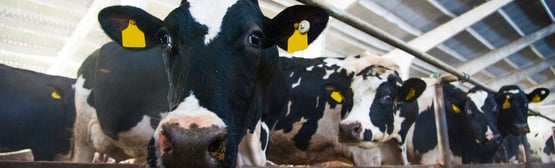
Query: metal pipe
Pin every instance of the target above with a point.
(441, 127)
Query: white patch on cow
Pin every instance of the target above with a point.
(139, 135)
(83, 149)
(478, 98)
(514, 91)
(294, 85)
(210, 14)
(190, 112)
(291, 75)
(250, 149)
(309, 68)
(288, 108)
(317, 102)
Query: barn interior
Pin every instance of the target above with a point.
(496, 42)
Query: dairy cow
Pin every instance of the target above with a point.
(212, 53)
(471, 125)
(513, 124)
(325, 90)
(36, 112)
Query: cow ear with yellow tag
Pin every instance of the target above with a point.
(538, 95)
(412, 89)
(55, 93)
(131, 27)
(336, 96)
(294, 28)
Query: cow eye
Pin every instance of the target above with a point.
(255, 39)
(387, 99)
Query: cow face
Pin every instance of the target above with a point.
(212, 51)
(482, 113)
(377, 92)
(513, 114)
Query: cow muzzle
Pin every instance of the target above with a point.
(191, 146)
(350, 132)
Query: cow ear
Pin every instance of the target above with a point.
(56, 93)
(129, 26)
(412, 89)
(301, 23)
(538, 95)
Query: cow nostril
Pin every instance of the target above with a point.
(216, 148)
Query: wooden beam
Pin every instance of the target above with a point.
(78, 35)
(445, 31)
(473, 66)
(519, 75)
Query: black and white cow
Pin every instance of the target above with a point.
(212, 53)
(471, 126)
(539, 141)
(513, 123)
(325, 90)
(36, 112)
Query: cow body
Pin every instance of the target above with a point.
(113, 116)
(471, 124)
(322, 92)
(212, 65)
(37, 112)
(539, 141)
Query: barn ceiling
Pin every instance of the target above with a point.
(496, 41)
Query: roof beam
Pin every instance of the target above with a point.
(391, 17)
(511, 22)
(451, 52)
(519, 75)
(547, 10)
(445, 31)
(78, 35)
(473, 66)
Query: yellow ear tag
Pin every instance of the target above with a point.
(411, 94)
(55, 95)
(506, 104)
(536, 99)
(455, 108)
(299, 40)
(132, 36)
(335, 95)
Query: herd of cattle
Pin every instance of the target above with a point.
(206, 87)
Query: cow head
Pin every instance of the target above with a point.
(482, 112)
(513, 114)
(213, 52)
(377, 92)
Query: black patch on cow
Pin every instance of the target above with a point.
(424, 138)
(367, 135)
(263, 138)
(549, 148)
